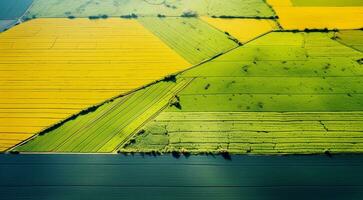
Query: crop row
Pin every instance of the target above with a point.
(239, 133)
(109, 125)
(192, 38)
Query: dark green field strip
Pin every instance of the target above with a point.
(116, 8)
(273, 85)
(352, 38)
(334, 67)
(258, 116)
(327, 3)
(270, 102)
(239, 8)
(13, 9)
(253, 132)
(104, 129)
(192, 38)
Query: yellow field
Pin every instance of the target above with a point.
(53, 68)
(242, 29)
(291, 17)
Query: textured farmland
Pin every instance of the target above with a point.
(282, 93)
(351, 38)
(297, 17)
(192, 38)
(54, 68)
(116, 8)
(110, 125)
(251, 132)
(243, 29)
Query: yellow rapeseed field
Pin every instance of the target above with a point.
(54, 68)
(297, 17)
(242, 29)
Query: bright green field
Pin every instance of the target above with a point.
(109, 126)
(282, 93)
(85, 8)
(251, 132)
(192, 38)
(352, 38)
(327, 3)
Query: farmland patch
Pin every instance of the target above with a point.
(117, 8)
(352, 38)
(252, 133)
(283, 93)
(317, 17)
(54, 68)
(110, 125)
(190, 37)
(327, 3)
(243, 29)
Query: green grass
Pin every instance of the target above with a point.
(245, 8)
(251, 132)
(116, 8)
(282, 93)
(327, 3)
(109, 126)
(351, 38)
(192, 38)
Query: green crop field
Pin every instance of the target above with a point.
(116, 8)
(104, 129)
(327, 3)
(282, 93)
(251, 132)
(352, 38)
(192, 38)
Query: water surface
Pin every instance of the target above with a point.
(68, 177)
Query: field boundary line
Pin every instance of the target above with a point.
(153, 116)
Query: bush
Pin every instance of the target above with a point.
(325, 30)
(71, 17)
(130, 16)
(170, 78)
(93, 17)
(226, 155)
(140, 132)
(189, 13)
(14, 152)
(176, 102)
(160, 15)
(175, 154)
(360, 61)
(328, 153)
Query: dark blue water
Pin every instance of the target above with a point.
(98, 177)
